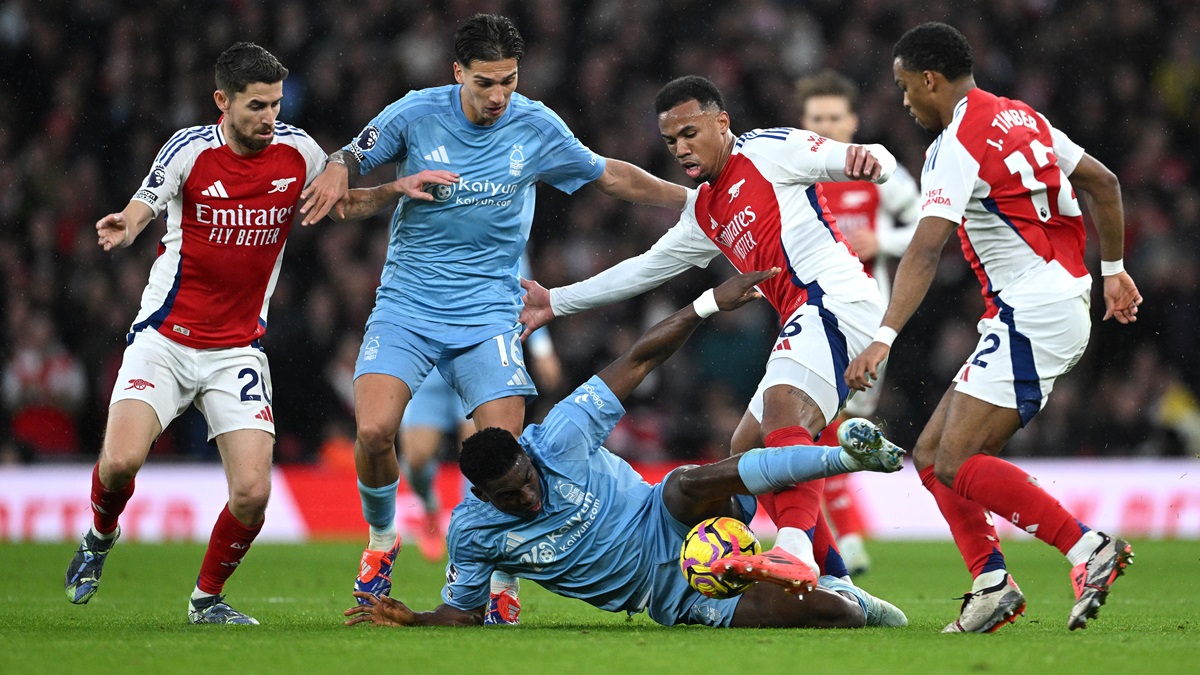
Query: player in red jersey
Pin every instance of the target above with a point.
(1002, 176)
(230, 192)
(759, 204)
(878, 221)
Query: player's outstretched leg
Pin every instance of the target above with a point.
(375, 571)
(83, 574)
(864, 443)
(214, 609)
(1093, 579)
(988, 609)
(878, 612)
(776, 566)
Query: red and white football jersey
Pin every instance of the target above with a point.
(227, 218)
(766, 210)
(1000, 170)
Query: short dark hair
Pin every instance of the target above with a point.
(688, 88)
(246, 63)
(487, 37)
(827, 83)
(488, 454)
(938, 47)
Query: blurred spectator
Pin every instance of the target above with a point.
(44, 386)
(91, 81)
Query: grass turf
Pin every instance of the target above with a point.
(137, 623)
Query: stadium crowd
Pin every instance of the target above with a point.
(95, 86)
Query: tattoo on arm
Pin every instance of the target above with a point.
(366, 202)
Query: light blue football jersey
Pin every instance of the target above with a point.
(584, 543)
(454, 260)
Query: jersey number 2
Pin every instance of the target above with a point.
(255, 381)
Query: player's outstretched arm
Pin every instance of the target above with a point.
(364, 202)
(385, 611)
(118, 230)
(626, 181)
(913, 277)
(1103, 193)
(664, 338)
(849, 161)
(329, 188)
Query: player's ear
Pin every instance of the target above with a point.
(459, 77)
(723, 122)
(480, 494)
(221, 100)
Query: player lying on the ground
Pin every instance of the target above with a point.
(558, 508)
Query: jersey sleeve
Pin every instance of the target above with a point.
(383, 140)
(565, 162)
(468, 575)
(578, 425)
(948, 180)
(169, 171)
(1068, 152)
(682, 247)
(314, 157)
(806, 157)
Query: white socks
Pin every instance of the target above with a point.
(1083, 549)
(796, 541)
(988, 579)
(382, 540)
(503, 581)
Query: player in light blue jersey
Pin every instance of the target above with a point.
(436, 413)
(558, 508)
(448, 293)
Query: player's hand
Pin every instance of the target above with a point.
(864, 369)
(864, 243)
(380, 610)
(413, 186)
(536, 312)
(861, 164)
(113, 232)
(325, 192)
(737, 291)
(1121, 298)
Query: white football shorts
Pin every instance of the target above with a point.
(1021, 352)
(230, 386)
(814, 348)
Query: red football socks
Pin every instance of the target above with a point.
(970, 525)
(107, 505)
(1004, 489)
(797, 506)
(228, 544)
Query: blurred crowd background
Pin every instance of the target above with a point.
(93, 88)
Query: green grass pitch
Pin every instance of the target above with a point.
(137, 624)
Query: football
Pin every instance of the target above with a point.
(710, 540)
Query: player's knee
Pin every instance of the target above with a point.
(690, 484)
(117, 469)
(946, 470)
(375, 438)
(923, 455)
(248, 503)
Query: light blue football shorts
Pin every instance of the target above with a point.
(478, 372)
(435, 405)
